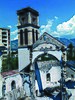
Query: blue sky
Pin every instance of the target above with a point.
(57, 17)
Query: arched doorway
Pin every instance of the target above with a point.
(47, 71)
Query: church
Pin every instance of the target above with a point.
(39, 56)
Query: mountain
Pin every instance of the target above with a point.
(14, 45)
(66, 41)
(73, 41)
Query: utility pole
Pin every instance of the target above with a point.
(62, 83)
(32, 77)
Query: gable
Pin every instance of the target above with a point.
(47, 41)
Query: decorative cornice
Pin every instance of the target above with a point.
(28, 9)
(27, 25)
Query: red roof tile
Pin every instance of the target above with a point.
(9, 73)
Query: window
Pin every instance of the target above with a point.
(26, 36)
(34, 20)
(45, 37)
(72, 77)
(3, 33)
(36, 92)
(3, 89)
(33, 35)
(21, 37)
(36, 35)
(50, 47)
(13, 85)
(48, 77)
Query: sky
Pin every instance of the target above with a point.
(56, 17)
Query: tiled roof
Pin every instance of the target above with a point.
(28, 9)
(9, 73)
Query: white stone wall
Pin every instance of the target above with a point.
(55, 74)
(18, 80)
(24, 58)
(8, 80)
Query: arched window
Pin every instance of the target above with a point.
(48, 77)
(26, 36)
(21, 37)
(36, 35)
(33, 35)
(3, 89)
(45, 37)
(72, 77)
(13, 85)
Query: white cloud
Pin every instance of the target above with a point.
(43, 26)
(55, 34)
(14, 32)
(65, 29)
(47, 28)
(16, 37)
(9, 26)
(56, 17)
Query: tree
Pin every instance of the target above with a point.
(10, 63)
(70, 50)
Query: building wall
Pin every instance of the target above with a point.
(18, 80)
(5, 39)
(8, 80)
(1, 79)
(54, 77)
(24, 58)
(0, 63)
(0, 35)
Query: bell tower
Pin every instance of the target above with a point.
(28, 25)
(28, 33)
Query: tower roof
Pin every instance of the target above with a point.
(27, 9)
(4, 28)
